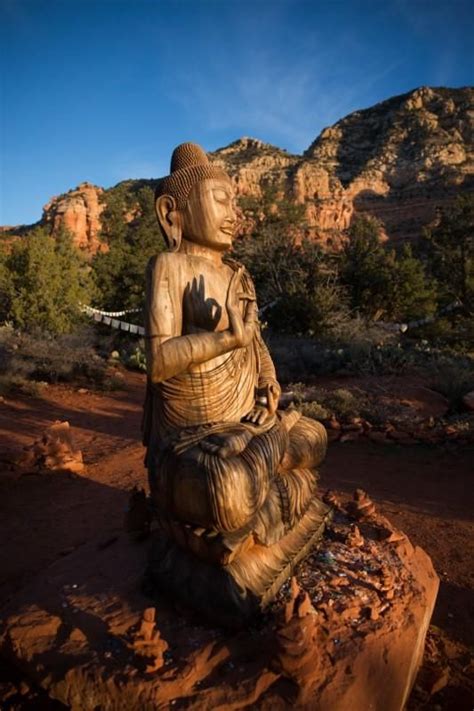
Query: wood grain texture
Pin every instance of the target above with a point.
(232, 480)
(230, 594)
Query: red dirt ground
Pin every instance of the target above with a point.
(425, 490)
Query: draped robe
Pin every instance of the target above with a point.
(185, 295)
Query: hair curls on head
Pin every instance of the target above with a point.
(189, 166)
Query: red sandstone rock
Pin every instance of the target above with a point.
(354, 539)
(54, 451)
(339, 174)
(362, 506)
(79, 212)
(399, 160)
(147, 642)
(298, 637)
(332, 499)
(352, 644)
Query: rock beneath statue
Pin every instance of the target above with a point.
(347, 632)
(53, 451)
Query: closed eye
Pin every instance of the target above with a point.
(221, 196)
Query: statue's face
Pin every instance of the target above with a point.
(209, 217)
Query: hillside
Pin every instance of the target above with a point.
(399, 160)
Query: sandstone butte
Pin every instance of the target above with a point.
(399, 160)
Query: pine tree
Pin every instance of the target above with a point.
(120, 272)
(46, 279)
(449, 250)
(293, 276)
(380, 280)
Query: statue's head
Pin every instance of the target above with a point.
(196, 201)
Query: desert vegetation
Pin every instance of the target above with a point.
(366, 309)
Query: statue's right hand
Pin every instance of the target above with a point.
(242, 327)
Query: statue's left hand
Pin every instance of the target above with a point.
(266, 404)
(258, 415)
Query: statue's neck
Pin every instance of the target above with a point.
(200, 250)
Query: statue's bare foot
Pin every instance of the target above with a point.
(226, 445)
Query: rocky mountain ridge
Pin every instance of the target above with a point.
(399, 160)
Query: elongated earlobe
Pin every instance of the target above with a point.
(169, 219)
(175, 238)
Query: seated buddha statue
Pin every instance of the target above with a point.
(228, 471)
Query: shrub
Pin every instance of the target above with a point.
(29, 357)
(132, 355)
(314, 410)
(44, 280)
(453, 380)
(343, 403)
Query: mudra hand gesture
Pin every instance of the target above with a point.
(242, 327)
(266, 404)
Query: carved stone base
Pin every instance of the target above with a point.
(230, 594)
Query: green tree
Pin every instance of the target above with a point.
(413, 294)
(381, 280)
(363, 266)
(294, 278)
(132, 234)
(449, 250)
(45, 279)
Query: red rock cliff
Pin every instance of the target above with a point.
(79, 212)
(398, 160)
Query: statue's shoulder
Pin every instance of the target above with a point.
(165, 261)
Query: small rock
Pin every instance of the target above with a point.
(332, 499)
(400, 436)
(354, 538)
(54, 451)
(77, 635)
(350, 436)
(378, 437)
(439, 680)
(352, 428)
(468, 400)
(362, 505)
(24, 688)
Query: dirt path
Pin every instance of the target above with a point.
(427, 491)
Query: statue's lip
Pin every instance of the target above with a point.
(227, 230)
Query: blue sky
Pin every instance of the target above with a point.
(102, 90)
